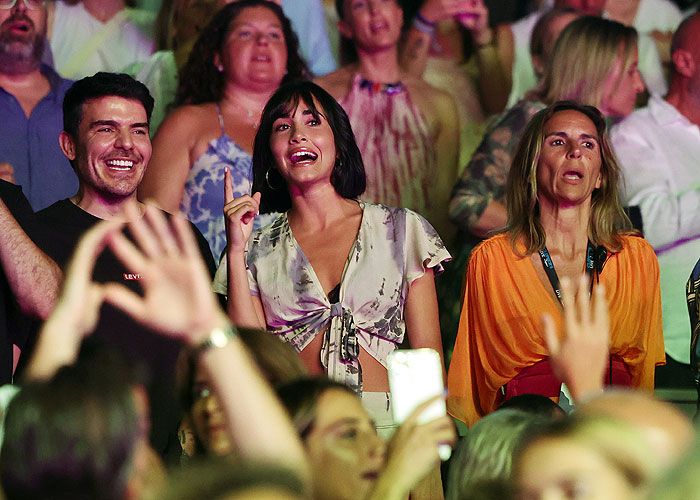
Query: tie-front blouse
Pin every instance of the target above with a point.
(394, 246)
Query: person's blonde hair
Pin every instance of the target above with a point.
(620, 445)
(584, 56)
(485, 454)
(608, 219)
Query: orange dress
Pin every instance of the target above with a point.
(500, 330)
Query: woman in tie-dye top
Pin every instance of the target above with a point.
(341, 280)
(407, 130)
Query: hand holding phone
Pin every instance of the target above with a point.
(415, 376)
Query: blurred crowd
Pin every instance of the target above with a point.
(221, 221)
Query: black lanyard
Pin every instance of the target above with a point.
(595, 260)
(552, 273)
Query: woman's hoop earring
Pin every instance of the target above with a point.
(267, 180)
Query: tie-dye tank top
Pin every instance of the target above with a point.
(203, 199)
(395, 143)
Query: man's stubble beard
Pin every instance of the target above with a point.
(19, 57)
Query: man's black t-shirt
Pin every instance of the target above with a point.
(63, 224)
(13, 324)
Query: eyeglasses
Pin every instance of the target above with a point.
(29, 4)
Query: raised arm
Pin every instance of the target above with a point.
(177, 301)
(33, 277)
(164, 181)
(412, 454)
(77, 309)
(244, 309)
(580, 355)
(416, 43)
(493, 81)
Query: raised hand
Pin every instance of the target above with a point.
(240, 214)
(413, 452)
(435, 11)
(77, 309)
(475, 17)
(580, 356)
(177, 298)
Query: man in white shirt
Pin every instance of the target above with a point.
(659, 151)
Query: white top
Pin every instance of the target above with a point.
(82, 45)
(394, 246)
(661, 15)
(659, 151)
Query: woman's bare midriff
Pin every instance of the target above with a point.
(374, 375)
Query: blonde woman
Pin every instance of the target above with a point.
(594, 62)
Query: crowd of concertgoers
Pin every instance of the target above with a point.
(219, 219)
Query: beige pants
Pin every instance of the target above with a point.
(378, 405)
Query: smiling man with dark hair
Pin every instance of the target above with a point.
(106, 139)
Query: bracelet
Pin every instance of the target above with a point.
(217, 338)
(423, 25)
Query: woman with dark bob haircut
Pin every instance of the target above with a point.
(348, 176)
(341, 280)
(242, 56)
(564, 218)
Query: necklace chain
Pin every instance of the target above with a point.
(250, 117)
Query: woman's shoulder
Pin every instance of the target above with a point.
(338, 82)
(497, 244)
(189, 117)
(403, 223)
(396, 215)
(195, 110)
(637, 246)
(519, 114)
(426, 93)
(496, 261)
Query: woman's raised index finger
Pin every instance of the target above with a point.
(228, 186)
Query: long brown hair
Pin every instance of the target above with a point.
(608, 219)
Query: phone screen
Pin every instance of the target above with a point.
(415, 375)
